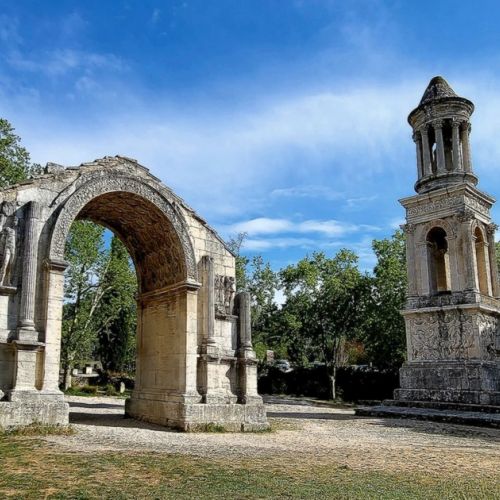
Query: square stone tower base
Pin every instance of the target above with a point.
(452, 356)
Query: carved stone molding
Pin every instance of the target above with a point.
(434, 206)
(112, 183)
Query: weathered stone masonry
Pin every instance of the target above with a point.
(195, 362)
(453, 308)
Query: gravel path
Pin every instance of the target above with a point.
(303, 433)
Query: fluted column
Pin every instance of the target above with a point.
(418, 143)
(466, 155)
(426, 154)
(411, 261)
(245, 321)
(209, 298)
(26, 323)
(441, 162)
(457, 154)
(469, 255)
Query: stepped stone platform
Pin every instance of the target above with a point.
(455, 413)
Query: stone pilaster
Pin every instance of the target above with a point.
(26, 330)
(490, 235)
(208, 280)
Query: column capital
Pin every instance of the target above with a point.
(491, 228)
(466, 126)
(437, 123)
(416, 136)
(456, 122)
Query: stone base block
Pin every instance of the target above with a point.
(192, 417)
(466, 382)
(19, 414)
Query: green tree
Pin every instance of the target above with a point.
(235, 244)
(83, 292)
(15, 164)
(262, 283)
(115, 320)
(384, 329)
(324, 305)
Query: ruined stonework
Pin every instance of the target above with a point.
(195, 362)
(453, 308)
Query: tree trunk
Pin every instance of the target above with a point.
(332, 376)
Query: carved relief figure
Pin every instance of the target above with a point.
(8, 242)
(229, 291)
(225, 288)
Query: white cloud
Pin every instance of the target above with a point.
(261, 244)
(265, 225)
(62, 61)
(323, 192)
(262, 225)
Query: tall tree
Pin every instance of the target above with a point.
(235, 244)
(384, 330)
(325, 303)
(115, 320)
(83, 292)
(15, 164)
(262, 283)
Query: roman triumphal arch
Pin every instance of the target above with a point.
(195, 362)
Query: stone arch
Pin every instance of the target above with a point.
(195, 364)
(101, 197)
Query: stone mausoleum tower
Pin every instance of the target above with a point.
(453, 307)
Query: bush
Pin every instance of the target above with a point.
(353, 383)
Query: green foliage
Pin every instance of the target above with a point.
(324, 307)
(384, 329)
(115, 320)
(235, 245)
(82, 292)
(86, 390)
(15, 164)
(100, 310)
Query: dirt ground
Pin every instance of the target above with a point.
(301, 434)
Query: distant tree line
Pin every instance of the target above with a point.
(333, 314)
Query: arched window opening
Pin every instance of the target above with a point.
(438, 261)
(481, 262)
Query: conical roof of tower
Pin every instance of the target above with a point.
(437, 89)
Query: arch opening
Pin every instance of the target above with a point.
(166, 292)
(99, 313)
(438, 261)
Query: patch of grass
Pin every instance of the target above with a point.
(210, 427)
(39, 430)
(86, 390)
(33, 469)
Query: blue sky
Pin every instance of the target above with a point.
(285, 119)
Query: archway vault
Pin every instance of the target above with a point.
(194, 348)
